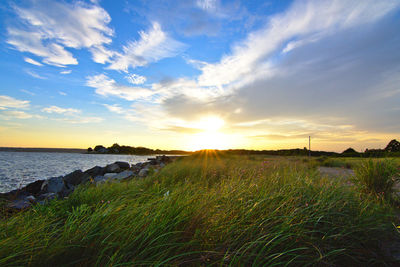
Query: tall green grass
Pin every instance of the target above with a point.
(205, 210)
(377, 177)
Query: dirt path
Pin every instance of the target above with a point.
(335, 172)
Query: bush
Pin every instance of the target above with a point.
(377, 177)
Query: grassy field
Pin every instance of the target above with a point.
(209, 209)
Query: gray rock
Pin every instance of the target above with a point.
(96, 171)
(31, 199)
(143, 172)
(47, 196)
(53, 185)
(76, 177)
(98, 178)
(123, 175)
(123, 165)
(19, 204)
(110, 175)
(34, 188)
(113, 168)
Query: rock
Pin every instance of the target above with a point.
(31, 199)
(34, 188)
(123, 165)
(96, 171)
(19, 204)
(143, 172)
(123, 175)
(109, 175)
(47, 196)
(76, 177)
(99, 179)
(113, 168)
(53, 185)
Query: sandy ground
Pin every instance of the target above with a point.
(336, 172)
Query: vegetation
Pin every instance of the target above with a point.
(117, 149)
(377, 177)
(207, 209)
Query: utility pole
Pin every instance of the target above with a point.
(309, 146)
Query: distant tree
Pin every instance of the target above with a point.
(89, 149)
(349, 150)
(393, 146)
(100, 149)
(115, 148)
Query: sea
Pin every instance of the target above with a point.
(18, 169)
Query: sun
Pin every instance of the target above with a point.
(210, 135)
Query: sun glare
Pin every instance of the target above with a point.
(210, 136)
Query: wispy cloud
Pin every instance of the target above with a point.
(27, 92)
(10, 102)
(50, 27)
(31, 61)
(65, 72)
(82, 120)
(135, 79)
(35, 75)
(114, 108)
(106, 86)
(152, 46)
(17, 114)
(59, 110)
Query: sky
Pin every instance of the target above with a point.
(200, 74)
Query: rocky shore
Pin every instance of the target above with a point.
(41, 191)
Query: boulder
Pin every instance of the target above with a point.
(53, 185)
(96, 171)
(76, 177)
(123, 165)
(113, 168)
(123, 175)
(34, 188)
(143, 172)
(99, 179)
(46, 196)
(109, 175)
(19, 204)
(31, 199)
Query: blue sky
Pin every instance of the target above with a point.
(200, 74)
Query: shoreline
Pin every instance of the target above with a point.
(41, 191)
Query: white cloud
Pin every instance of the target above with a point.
(35, 75)
(135, 79)
(27, 92)
(62, 93)
(52, 26)
(33, 42)
(10, 102)
(303, 20)
(32, 61)
(65, 72)
(16, 114)
(82, 120)
(152, 46)
(59, 110)
(114, 108)
(106, 86)
(207, 5)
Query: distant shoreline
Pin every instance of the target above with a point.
(48, 150)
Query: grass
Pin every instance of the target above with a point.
(377, 177)
(208, 209)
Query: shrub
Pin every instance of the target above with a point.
(377, 177)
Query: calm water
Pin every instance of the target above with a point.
(21, 168)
